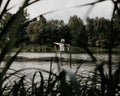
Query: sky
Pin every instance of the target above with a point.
(65, 9)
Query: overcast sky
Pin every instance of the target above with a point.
(66, 9)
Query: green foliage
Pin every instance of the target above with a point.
(10, 25)
(16, 84)
(95, 33)
(35, 48)
(77, 30)
(33, 31)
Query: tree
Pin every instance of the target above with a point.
(90, 31)
(24, 19)
(3, 22)
(77, 30)
(57, 29)
(42, 30)
(5, 19)
(33, 31)
(36, 30)
(116, 26)
(101, 31)
(22, 33)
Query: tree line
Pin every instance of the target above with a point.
(94, 32)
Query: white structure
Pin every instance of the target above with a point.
(62, 45)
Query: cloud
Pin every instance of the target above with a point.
(66, 9)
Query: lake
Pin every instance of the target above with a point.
(85, 68)
(82, 56)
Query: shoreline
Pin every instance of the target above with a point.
(39, 57)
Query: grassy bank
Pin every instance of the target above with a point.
(44, 48)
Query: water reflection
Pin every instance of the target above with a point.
(83, 68)
(82, 56)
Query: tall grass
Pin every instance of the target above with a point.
(65, 83)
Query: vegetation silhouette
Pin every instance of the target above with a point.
(18, 84)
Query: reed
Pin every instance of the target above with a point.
(65, 83)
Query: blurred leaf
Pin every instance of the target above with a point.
(1, 2)
(8, 64)
(40, 90)
(4, 9)
(33, 2)
(74, 82)
(91, 4)
(4, 51)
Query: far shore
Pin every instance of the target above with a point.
(66, 57)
